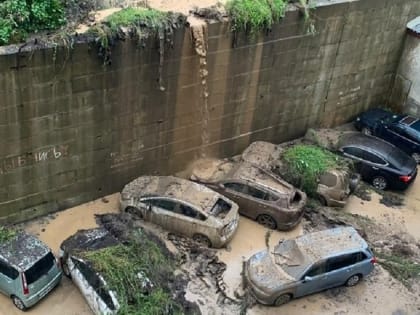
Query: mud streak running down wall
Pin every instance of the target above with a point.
(117, 122)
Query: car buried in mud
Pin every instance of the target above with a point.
(182, 207)
(28, 269)
(126, 274)
(308, 264)
(261, 195)
(334, 185)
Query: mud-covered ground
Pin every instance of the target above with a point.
(216, 281)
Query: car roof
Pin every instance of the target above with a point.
(174, 188)
(367, 142)
(262, 153)
(330, 242)
(249, 172)
(87, 240)
(23, 251)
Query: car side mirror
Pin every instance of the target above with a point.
(307, 279)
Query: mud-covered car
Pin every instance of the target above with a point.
(89, 281)
(261, 195)
(123, 269)
(183, 207)
(334, 185)
(28, 269)
(308, 264)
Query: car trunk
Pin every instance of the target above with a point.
(40, 274)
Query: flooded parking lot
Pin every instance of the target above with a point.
(375, 295)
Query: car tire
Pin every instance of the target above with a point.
(267, 221)
(353, 280)
(379, 182)
(18, 303)
(202, 240)
(283, 299)
(416, 157)
(134, 211)
(322, 201)
(367, 131)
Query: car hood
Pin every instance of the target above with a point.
(265, 274)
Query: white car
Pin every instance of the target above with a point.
(90, 283)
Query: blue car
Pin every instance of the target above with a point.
(308, 264)
(402, 131)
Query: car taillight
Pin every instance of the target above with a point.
(25, 285)
(373, 260)
(405, 178)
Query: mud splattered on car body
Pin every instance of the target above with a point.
(308, 264)
(182, 206)
(334, 186)
(261, 195)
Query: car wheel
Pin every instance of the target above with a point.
(134, 211)
(379, 182)
(202, 240)
(267, 221)
(366, 131)
(322, 200)
(353, 280)
(283, 299)
(416, 157)
(18, 303)
(66, 269)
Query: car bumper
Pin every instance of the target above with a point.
(261, 296)
(35, 298)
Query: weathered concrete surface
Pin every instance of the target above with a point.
(406, 91)
(72, 129)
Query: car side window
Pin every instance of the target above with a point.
(373, 158)
(343, 261)
(316, 270)
(189, 212)
(238, 187)
(353, 151)
(162, 203)
(8, 271)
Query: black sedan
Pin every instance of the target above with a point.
(400, 130)
(378, 162)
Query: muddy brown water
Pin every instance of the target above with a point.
(377, 294)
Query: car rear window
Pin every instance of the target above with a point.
(398, 158)
(220, 208)
(40, 268)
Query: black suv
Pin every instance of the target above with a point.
(379, 162)
(400, 130)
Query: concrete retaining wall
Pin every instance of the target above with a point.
(73, 130)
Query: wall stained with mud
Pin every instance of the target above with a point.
(73, 130)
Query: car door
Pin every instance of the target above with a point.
(314, 280)
(397, 135)
(8, 276)
(356, 154)
(340, 268)
(250, 198)
(167, 213)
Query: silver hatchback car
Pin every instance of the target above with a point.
(308, 264)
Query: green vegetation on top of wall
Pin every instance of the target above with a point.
(255, 15)
(6, 234)
(20, 17)
(305, 163)
(138, 23)
(128, 268)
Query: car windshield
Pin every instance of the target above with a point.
(40, 268)
(416, 126)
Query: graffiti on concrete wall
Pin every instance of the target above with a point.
(51, 153)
